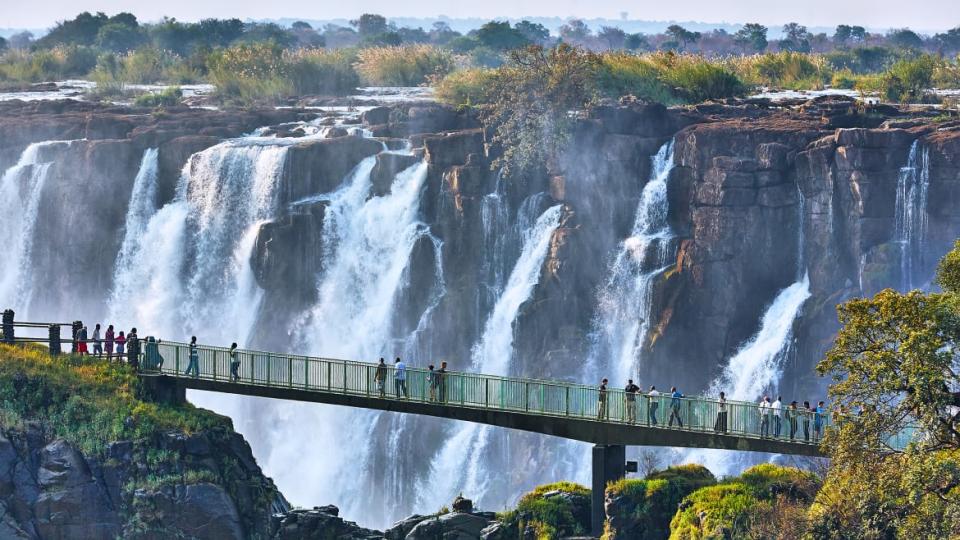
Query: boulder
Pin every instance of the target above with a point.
(452, 526)
(375, 116)
(453, 148)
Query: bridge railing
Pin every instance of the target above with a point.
(540, 397)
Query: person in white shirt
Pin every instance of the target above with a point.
(777, 408)
(400, 377)
(654, 397)
(765, 417)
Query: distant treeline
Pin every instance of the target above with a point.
(253, 62)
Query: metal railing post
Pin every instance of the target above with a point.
(176, 357)
(289, 372)
(214, 364)
(486, 392)
(526, 396)
(329, 375)
(566, 401)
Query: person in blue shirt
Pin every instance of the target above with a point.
(818, 417)
(675, 396)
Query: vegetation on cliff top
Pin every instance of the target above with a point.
(87, 402)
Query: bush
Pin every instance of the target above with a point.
(249, 73)
(408, 65)
(667, 77)
(58, 63)
(907, 81)
(643, 508)
(464, 87)
(321, 71)
(551, 511)
(167, 98)
(785, 69)
(714, 512)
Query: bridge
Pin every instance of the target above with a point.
(558, 408)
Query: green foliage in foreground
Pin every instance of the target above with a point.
(550, 511)
(87, 402)
(167, 98)
(651, 503)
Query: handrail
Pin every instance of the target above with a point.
(478, 391)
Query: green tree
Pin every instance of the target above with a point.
(613, 37)
(370, 24)
(575, 31)
(795, 38)
(441, 33)
(896, 360)
(500, 35)
(752, 37)
(530, 102)
(842, 35)
(81, 30)
(682, 36)
(535, 33)
(905, 38)
(119, 37)
(858, 34)
(637, 42)
(949, 41)
(3, 44)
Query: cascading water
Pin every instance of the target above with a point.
(625, 301)
(142, 207)
(462, 465)
(20, 191)
(911, 212)
(367, 246)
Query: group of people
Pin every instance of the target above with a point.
(110, 343)
(794, 415)
(797, 417)
(436, 380)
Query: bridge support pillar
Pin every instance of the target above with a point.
(609, 465)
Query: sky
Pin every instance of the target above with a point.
(921, 15)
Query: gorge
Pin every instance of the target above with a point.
(702, 247)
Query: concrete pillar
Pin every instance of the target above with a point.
(8, 331)
(609, 465)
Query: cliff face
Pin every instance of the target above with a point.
(756, 197)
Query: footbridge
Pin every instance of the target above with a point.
(610, 420)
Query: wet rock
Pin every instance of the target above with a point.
(453, 148)
(320, 165)
(376, 116)
(385, 171)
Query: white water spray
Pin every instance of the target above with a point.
(459, 464)
(20, 191)
(911, 212)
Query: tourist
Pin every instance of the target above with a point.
(109, 338)
(776, 408)
(442, 381)
(193, 367)
(151, 355)
(400, 377)
(97, 344)
(432, 382)
(602, 400)
(818, 419)
(234, 363)
(792, 413)
(121, 344)
(765, 416)
(133, 349)
(807, 413)
(380, 377)
(630, 391)
(82, 341)
(720, 426)
(675, 396)
(654, 403)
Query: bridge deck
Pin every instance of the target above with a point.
(556, 408)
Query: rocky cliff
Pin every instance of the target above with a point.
(758, 195)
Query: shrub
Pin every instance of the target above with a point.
(645, 507)
(464, 87)
(667, 77)
(408, 65)
(715, 512)
(169, 97)
(785, 69)
(637, 75)
(551, 511)
(249, 73)
(907, 81)
(58, 63)
(321, 71)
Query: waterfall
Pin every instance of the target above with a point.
(367, 243)
(625, 302)
(141, 208)
(911, 212)
(461, 464)
(20, 191)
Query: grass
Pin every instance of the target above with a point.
(407, 65)
(548, 517)
(86, 402)
(465, 87)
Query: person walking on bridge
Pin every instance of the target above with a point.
(193, 367)
(653, 397)
(818, 420)
(82, 341)
(630, 401)
(675, 397)
(109, 338)
(807, 413)
(792, 414)
(234, 363)
(380, 377)
(602, 400)
(765, 416)
(720, 426)
(97, 344)
(400, 377)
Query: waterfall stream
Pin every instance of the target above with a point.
(911, 213)
(461, 465)
(20, 191)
